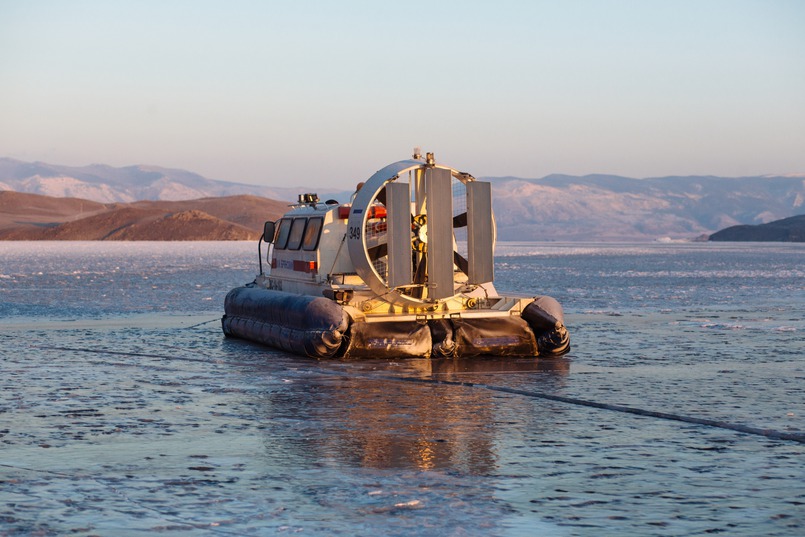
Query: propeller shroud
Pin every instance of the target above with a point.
(405, 233)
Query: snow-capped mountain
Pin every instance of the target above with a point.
(556, 207)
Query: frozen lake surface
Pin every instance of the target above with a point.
(124, 411)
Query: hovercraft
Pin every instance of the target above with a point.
(404, 270)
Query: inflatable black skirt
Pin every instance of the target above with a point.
(320, 328)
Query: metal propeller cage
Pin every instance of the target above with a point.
(420, 233)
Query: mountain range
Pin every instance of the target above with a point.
(556, 207)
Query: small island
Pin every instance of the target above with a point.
(786, 230)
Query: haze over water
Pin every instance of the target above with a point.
(124, 410)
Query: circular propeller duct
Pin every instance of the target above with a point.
(420, 233)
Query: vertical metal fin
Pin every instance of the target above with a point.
(398, 206)
(439, 207)
(480, 232)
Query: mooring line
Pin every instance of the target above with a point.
(757, 431)
(768, 433)
(216, 320)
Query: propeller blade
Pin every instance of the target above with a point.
(381, 196)
(460, 220)
(462, 264)
(419, 276)
(376, 252)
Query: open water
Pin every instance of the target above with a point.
(124, 411)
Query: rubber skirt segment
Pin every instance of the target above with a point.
(393, 339)
(494, 336)
(546, 318)
(306, 325)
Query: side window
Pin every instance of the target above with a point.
(312, 233)
(297, 232)
(282, 234)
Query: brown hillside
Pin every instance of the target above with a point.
(20, 209)
(248, 211)
(185, 226)
(92, 228)
(33, 217)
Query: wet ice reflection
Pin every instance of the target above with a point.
(360, 417)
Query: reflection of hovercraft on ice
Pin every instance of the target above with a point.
(405, 270)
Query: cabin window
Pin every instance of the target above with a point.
(283, 230)
(312, 233)
(297, 232)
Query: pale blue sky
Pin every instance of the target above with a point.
(325, 93)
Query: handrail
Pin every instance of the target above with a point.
(260, 253)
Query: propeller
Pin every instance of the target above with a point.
(410, 254)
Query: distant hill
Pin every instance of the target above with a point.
(785, 230)
(35, 217)
(553, 208)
